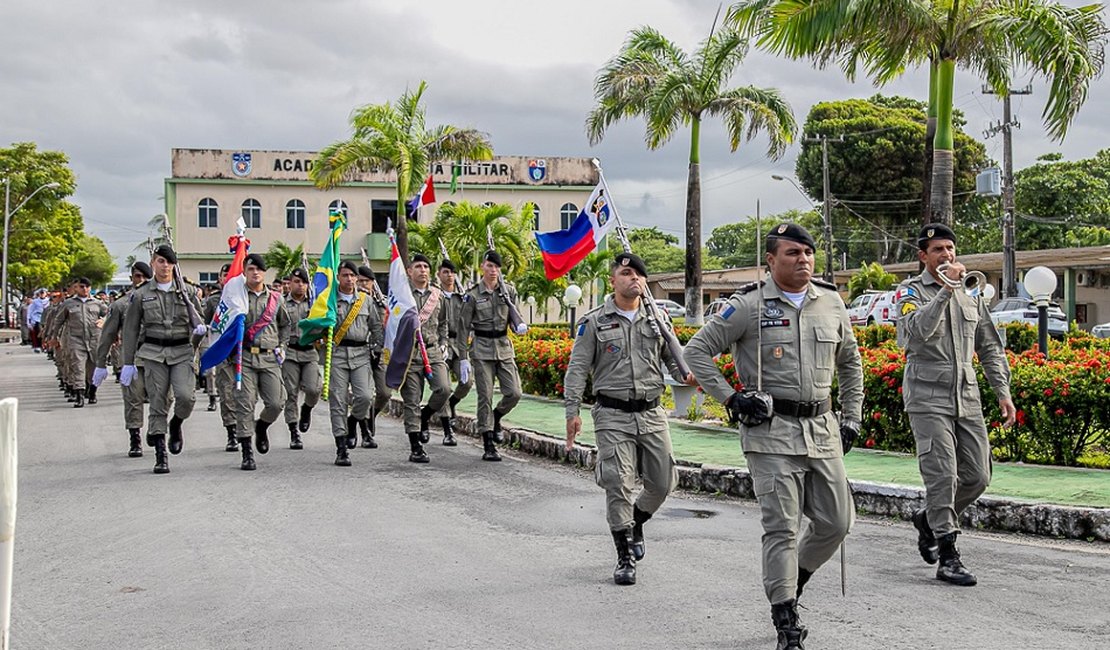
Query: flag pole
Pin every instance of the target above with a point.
(327, 363)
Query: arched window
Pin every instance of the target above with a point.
(339, 205)
(294, 214)
(252, 213)
(567, 214)
(208, 213)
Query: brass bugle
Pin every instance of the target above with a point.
(972, 282)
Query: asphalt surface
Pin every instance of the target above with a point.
(458, 553)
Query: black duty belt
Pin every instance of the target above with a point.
(298, 346)
(351, 343)
(802, 409)
(491, 334)
(256, 349)
(166, 343)
(633, 406)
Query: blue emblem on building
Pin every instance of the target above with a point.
(537, 169)
(241, 164)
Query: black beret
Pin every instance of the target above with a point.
(421, 257)
(299, 273)
(83, 281)
(349, 265)
(792, 232)
(632, 260)
(226, 268)
(256, 260)
(447, 264)
(143, 268)
(166, 251)
(933, 231)
(364, 271)
(492, 256)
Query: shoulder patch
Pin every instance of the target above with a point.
(908, 307)
(823, 284)
(729, 311)
(581, 327)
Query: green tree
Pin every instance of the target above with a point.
(654, 78)
(592, 274)
(1058, 202)
(463, 229)
(282, 259)
(93, 261)
(394, 137)
(533, 282)
(870, 277)
(990, 38)
(659, 250)
(734, 243)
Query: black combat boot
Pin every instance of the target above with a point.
(625, 573)
(248, 454)
(211, 402)
(366, 426)
(136, 450)
(638, 547)
(90, 391)
(803, 577)
(418, 454)
(79, 398)
(452, 403)
(489, 448)
(352, 435)
(177, 443)
(342, 458)
(425, 415)
(295, 437)
(232, 441)
(951, 569)
(306, 418)
(498, 437)
(161, 461)
(926, 542)
(262, 440)
(791, 631)
(71, 395)
(448, 434)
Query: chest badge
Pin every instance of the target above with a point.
(613, 348)
(777, 352)
(772, 309)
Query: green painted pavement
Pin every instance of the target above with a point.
(721, 446)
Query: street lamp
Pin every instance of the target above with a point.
(1040, 282)
(826, 213)
(571, 295)
(7, 221)
(531, 300)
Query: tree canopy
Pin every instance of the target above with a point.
(93, 261)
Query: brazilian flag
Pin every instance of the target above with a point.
(325, 282)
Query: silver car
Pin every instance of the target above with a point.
(1023, 310)
(672, 308)
(1101, 331)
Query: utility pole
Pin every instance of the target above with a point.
(1009, 260)
(826, 203)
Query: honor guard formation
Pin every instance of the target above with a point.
(789, 335)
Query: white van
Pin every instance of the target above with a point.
(882, 310)
(861, 307)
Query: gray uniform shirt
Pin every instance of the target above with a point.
(434, 329)
(77, 320)
(161, 315)
(366, 327)
(113, 323)
(625, 357)
(941, 332)
(258, 352)
(452, 309)
(484, 311)
(298, 311)
(801, 349)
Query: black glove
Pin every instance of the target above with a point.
(375, 360)
(848, 434)
(749, 407)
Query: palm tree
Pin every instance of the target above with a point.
(462, 227)
(283, 259)
(394, 137)
(990, 38)
(592, 274)
(652, 77)
(534, 283)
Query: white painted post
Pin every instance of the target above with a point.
(9, 461)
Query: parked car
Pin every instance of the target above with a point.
(861, 307)
(672, 308)
(882, 310)
(1101, 331)
(1023, 310)
(715, 306)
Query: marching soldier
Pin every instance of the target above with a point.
(942, 328)
(301, 369)
(78, 322)
(367, 284)
(619, 344)
(133, 395)
(794, 445)
(157, 331)
(223, 373)
(266, 327)
(433, 335)
(452, 304)
(485, 315)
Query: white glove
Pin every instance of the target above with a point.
(522, 328)
(126, 374)
(279, 354)
(99, 375)
(464, 371)
(200, 330)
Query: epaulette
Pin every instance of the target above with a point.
(750, 287)
(823, 284)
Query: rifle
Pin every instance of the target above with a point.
(179, 280)
(655, 318)
(515, 320)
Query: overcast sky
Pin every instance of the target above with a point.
(116, 85)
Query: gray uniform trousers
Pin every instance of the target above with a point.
(629, 444)
(359, 398)
(382, 392)
(300, 377)
(788, 487)
(134, 397)
(225, 388)
(412, 390)
(162, 378)
(462, 389)
(261, 379)
(944, 442)
(484, 372)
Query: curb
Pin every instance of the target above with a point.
(883, 499)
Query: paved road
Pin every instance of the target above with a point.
(454, 554)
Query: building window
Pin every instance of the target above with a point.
(252, 213)
(208, 213)
(339, 205)
(208, 277)
(381, 213)
(567, 214)
(294, 214)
